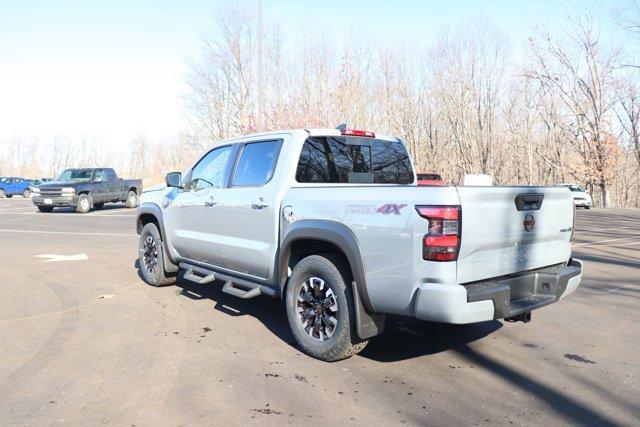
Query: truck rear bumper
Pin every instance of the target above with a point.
(498, 298)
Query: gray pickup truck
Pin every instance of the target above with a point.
(85, 189)
(333, 222)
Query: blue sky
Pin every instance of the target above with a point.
(114, 69)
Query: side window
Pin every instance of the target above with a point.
(209, 172)
(256, 164)
(100, 175)
(111, 175)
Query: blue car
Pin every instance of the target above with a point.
(12, 186)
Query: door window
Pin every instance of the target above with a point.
(210, 170)
(100, 175)
(256, 164)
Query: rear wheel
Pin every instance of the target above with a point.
(46, 209)
(320, 309)
(151, 261)
(84, 203)
(26, 194)
(132, 199)
(8, 196)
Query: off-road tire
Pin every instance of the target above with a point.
(26, 194)
(158, 276)
(45, 209)
(333, 270)
(85, 203)
(132, 200)
(98, 205)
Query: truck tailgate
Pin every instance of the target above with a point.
(500, 236)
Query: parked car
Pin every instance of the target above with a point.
(333, 222)
(581, 198)
(14, 186)
(429, 180)
(85, 189)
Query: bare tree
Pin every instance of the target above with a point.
(580, 72)
(629, 114)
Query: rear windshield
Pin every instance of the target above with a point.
(353, 160)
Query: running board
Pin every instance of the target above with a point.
(233, 286)
(239, 292)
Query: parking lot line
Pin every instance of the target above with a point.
(113, 212)
(14, 209)
(68, 232)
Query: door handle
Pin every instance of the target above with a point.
(259, 204)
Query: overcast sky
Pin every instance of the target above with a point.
(115, 69)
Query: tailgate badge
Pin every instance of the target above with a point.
(529, 222)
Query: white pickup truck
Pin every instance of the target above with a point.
(333, 222)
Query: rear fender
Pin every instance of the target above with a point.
(368, 323)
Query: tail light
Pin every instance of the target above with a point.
(357, 132)
(442, 241)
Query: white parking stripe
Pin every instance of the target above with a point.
(65, 215)
(80, 233)
(15, 209)
(113, 212)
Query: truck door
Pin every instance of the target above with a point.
(192, 214)
(100, 191)
(116, 192)
(249, 217)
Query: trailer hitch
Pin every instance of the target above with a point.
(524, 317)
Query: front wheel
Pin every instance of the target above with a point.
(84, 203)
(132, 199)
(151, 260)
(26, 194)
(320, 308)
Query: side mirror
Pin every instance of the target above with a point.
(174, 179)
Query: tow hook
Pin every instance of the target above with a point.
(524, 317)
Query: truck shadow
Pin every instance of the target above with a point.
(105, 208)
(404, 338)
(407, 338)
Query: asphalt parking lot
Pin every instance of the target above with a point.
(85, 341)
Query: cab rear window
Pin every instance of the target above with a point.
(353, 160)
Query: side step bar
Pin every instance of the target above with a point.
(233, 286)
